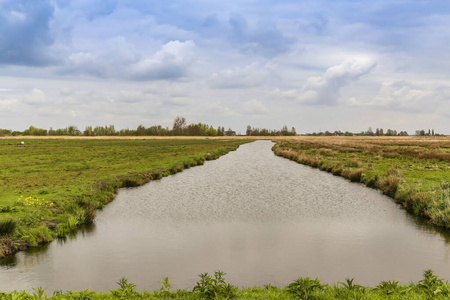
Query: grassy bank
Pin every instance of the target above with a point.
(48, 187)
(216, 287)
(413, 171)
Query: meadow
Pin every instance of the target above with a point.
(414, 171)
(216, 287)
(49, 187)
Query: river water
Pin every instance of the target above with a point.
(260, 218)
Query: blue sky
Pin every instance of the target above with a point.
(314, 65)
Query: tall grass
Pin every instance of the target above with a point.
(7, 227)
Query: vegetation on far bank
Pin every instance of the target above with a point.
(413, 171)
(179, 128)
(215, 287)
(48, 187)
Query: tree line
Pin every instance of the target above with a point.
(181, 128)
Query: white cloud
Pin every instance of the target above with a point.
(254, 106)
(326, 89)
(35, 98)
(251, 75)
(406, 96)
(170, 62)
(120, 60)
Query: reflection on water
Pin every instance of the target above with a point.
(84, 231)
(260, 218)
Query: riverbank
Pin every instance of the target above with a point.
(216, 287)
(49, 187)
(413, 171)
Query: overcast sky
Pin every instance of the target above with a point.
(313, 65)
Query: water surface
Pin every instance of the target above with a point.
(260, 218)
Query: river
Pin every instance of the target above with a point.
(258, 217)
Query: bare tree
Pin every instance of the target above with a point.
(178, 125)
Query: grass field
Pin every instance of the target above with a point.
(50, 186)
(414, 171)
(216, 287)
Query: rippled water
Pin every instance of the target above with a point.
(260, 218)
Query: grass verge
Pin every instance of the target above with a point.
(49, 187)
(215, 287)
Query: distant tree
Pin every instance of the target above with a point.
(73, 130)
(293, 132)
(5, 132)
(179, 124)
(110, 130)
(265, 132)
(140, 130)
(88, 131)
(420, 132)
(211, 131)
(379, 132)
(220, 131)
(391, 132)
(230, 132)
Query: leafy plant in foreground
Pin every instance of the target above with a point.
(390, 287)
(303, 287)
(432, 285)
(213, 288)
(164, 291)
(39, 293)
(126, 290)
(349, 285)
(81, 295)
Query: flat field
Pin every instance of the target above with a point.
(414, 171)
(50, 186)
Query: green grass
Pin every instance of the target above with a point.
(215, 287)
(51, 186)
(414, 172)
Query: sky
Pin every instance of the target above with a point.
(315, 65)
